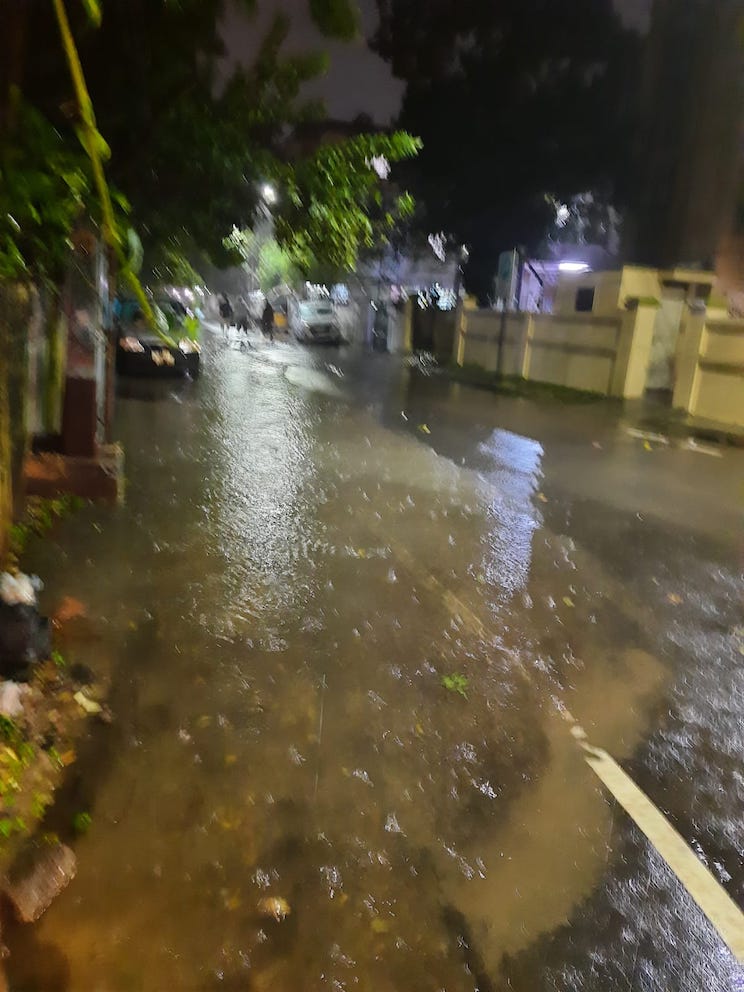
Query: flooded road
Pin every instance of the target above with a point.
(345, 612)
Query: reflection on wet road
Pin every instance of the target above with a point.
(343, 610)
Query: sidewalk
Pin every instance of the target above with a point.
(652, 414)
(656, 416)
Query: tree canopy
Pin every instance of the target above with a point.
(514, 99)
(263, 258)
(190, 139)
(44, 185)
(335, 207)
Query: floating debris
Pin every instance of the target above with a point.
(18, 590)
(391, 824)
(89, 705)
(274, 907)
(11, 698)
(37, 878)
(702, 449)
(69, 609)
(647, 436)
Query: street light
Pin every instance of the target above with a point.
(268, 194)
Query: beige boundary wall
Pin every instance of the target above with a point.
(710, 369)
(605, 354)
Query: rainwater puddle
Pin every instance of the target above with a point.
(290, 797)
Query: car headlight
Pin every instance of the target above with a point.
(163, 357)
(131, 344)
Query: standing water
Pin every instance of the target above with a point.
(339, 640)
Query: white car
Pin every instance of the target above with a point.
(314, 320)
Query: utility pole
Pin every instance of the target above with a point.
(507, 280)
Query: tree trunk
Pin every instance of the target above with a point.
(55, 333)
(6, 458)
(15, 314)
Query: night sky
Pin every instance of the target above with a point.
(357, 80)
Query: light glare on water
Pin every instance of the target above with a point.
(291, 797)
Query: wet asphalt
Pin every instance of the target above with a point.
(344, 611)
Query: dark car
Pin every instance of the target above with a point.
(140, 351)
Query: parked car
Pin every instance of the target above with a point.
(314, 320)
(140, 351)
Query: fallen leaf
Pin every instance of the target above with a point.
(361, 553)
(68, 757)
(542, 497)
(647, 446)
(204, 721)
(230, 759)
(596, 444)
(568, 601)
(231, 901)
(379, 926)
(424, 429)
(419, 730)
(673, 598)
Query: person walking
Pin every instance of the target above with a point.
(226, 314)
(267, 321)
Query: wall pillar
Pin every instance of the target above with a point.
(408, 326)
(689, 346)
(461, 329)
(525, 353)
(633, 351)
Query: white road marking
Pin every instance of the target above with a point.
(707, 892)
(713, 900)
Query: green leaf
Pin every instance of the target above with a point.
(81, 822)
(134, 250)
(121, 201)
(456, 683)
(93, 10)
(93, 142)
